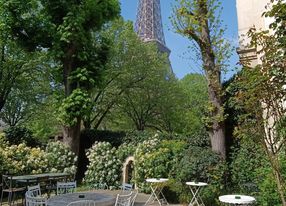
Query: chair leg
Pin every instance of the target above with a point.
(10, 198)
(1, 198)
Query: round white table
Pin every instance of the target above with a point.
(63, 200)
(157, 185)
(195, 189)
(237, 199)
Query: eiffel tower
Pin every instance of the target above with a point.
(148, 24)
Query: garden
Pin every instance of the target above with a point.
(81, 93)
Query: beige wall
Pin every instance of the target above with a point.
(249, 14)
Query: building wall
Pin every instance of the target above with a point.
(249, 14)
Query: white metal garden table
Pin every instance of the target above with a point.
(157, 185)
(195, 189)
(237, 199)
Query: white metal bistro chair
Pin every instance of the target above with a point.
(34, 191)
(126, 186)
(133, 198)
(65, 187)
(123, 200)
(35, 201)
(82, 203)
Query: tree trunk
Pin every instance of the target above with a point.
(87, 123)
(72, 136)
(281, 190)
(216, 125)
(277, 171)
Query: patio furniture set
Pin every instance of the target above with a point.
(64, 190)
(157, 184)
(66, 195)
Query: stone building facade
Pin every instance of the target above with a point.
(249, 14)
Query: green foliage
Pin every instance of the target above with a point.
(104, 166)
(137, 80)
(125, 150)
(156, 159)
(90, 136)
(69, 28)
(199, 164)
(278, 11)
(18, 135)
(195, 88)
(268, 194)
(43, 121)
(136, 137)
(247, 158)
(267, 184)
(77, 105)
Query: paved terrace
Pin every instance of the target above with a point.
(140, 200)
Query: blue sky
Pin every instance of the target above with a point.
(181, 62)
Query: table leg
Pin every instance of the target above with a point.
(196, 199)
(153, 196)
(156, 191)
(163, 197)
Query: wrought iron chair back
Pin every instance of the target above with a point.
(126, 186)
(35, 201)
(133, 198)
(123, 200)
(34, 191)
(65, 187)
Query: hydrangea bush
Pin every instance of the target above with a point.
(125, 150)
(60, 158)
(21, 159)
(104, 166)
(155, 159)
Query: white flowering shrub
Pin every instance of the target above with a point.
(125, 150)
(142, 161)
(60, 158)
(156, 158)
(104, 166)
(21, 159)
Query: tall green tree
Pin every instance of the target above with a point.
(30, 88)
(199, 21)
(136, 78)
(66, 29)
(195, 89)
(15, 65)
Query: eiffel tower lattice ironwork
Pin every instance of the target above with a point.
(148, 24)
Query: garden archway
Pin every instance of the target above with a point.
(128, 167)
